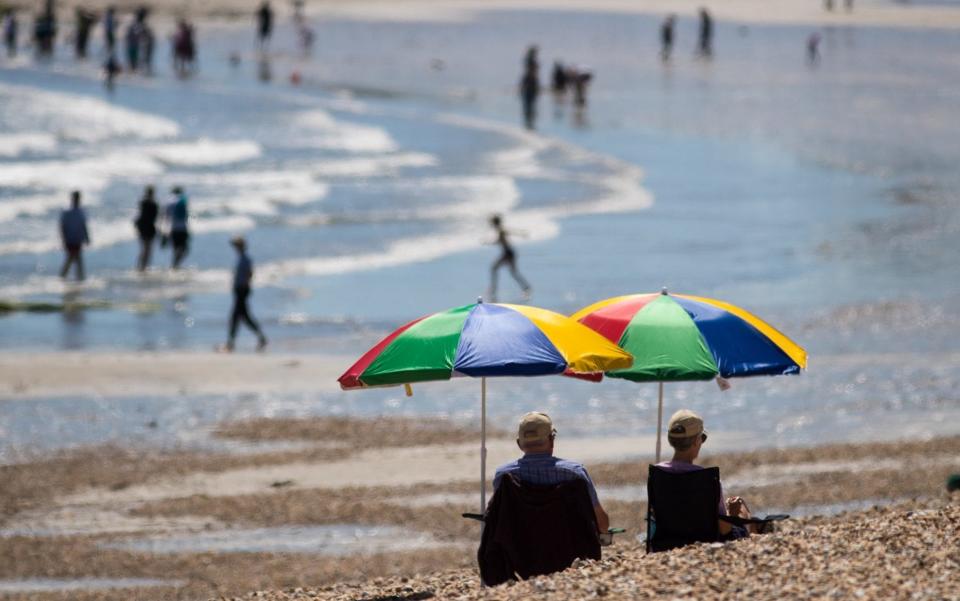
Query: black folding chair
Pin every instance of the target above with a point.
(683, 508)
(532, 530)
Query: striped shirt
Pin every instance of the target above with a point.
(544, 469)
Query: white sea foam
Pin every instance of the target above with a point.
(354, 139)
(624, 193)
(38, 204)
(286, 187)
(315, 119)
(90, 173)
(204, 152)
(82, 118)
(13, 145)
(104, 233)
(456, 198)
(326, 133)
(374, 165)
(401, 252)
(50, 284)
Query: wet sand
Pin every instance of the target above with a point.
(50, 374)
(59, 511)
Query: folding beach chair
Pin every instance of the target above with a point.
(533, 530)
(683, 509)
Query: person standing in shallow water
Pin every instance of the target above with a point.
(507, 257)
(178, 216)
(529, 91)
(666, 37)
(705, 41)
(559, 81)
(264, 24)
(84, 22)
(242, 277)
(146, 224)
(110, 29)
(73, 233)
(10, 30)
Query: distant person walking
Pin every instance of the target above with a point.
(813, 49)
(110, 29)
(264, 24)
(178, 216)
(705, 40)
(184, 49)
(74, 235)
(133, 44)
(666, 37)
(242, 277)
(146, 224)
(529, 91)
(45, 31)
(508, 257)
(85, 20)
(10, 32)
(147, 41)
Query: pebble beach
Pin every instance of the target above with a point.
(137, 463)
(204, 525)
(907, 551)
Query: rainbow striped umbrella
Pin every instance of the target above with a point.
(676, 337)
(484, 340)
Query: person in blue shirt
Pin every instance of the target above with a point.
(538, 466)
(73, 233)
(242, 276)
(178, 216)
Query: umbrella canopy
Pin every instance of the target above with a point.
(481, 340)
(677, 337)
(484, 340)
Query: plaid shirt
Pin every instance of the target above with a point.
(545, 469)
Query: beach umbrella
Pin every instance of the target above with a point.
(677, 337)
(484, 340)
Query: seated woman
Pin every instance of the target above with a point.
(686, 435)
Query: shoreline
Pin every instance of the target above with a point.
(866, 13)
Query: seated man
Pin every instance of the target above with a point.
(686, 435)
(538, 466)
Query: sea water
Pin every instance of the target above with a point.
(820, 197)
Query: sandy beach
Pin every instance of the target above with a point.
(32, 375)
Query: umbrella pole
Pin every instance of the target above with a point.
(659, 419)
(483, 444)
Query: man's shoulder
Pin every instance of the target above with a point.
(569, 464)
